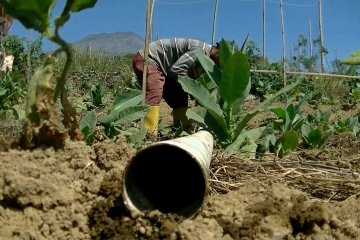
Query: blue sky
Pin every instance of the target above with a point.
(236, 19)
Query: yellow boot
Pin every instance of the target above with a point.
(180, 119)
(151, 120)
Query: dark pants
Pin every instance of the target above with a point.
(158, 86)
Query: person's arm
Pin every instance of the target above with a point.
(183, 64)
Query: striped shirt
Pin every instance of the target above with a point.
(175, 56)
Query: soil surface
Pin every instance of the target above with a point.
(75, 193)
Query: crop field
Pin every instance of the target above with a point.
(285, 162)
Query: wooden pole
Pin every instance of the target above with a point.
(214, 22)
(321, 36)
(28, 57)
(149, 10)
(283, 41)
(264, 28)
(310, 40)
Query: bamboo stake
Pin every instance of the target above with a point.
(214, 22)
(264, 29)
(149, 12)
(283, 41)
(28, 57)
(310, 39)
(321, 37)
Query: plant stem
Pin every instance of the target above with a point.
(69, 111)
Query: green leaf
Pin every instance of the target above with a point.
(31, 13)
(137, 137)
(87, 124)
(239, 102)
(243, 46)
(225, 52)
(132, 113)
(96, 95)
(217, 127)
(253, 134)
(261, 107)
(197, 114)
(279, 112)
(127, 99)
(211, 70)
(79, 5)
(313, 138)
(89, 120)
(235, 77)
(353, 58)
(290, 141)
(202, 95)
(73, 6)
(125, 115)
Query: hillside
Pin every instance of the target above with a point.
(118, 43)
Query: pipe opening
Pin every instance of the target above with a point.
(166, 178)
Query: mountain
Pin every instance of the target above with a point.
(118, 43)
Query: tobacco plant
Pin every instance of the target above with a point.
(43, 126)
(221, 93)
(126, 109)
(317, 130)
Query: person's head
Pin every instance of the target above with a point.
(215, 54)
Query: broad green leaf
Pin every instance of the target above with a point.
(313, 138)
(279, 112)
(132, 113)
(235, 77)
(290, 114)
(202, 116)
(31, 13)
(73, 6)
(225, 52)
(79, 5)
(3, 92)
(262, 107)
(299, 121)
(89, 122)
(96, 95)
(267, 138)
(253, 134)
(290, 141)
(353, 58)
(197, 114)
(239, 102)
(216, 127)
(211, 70)
(201, 94)
(137, 137)
(249, 148)
(127, 99)
(108, 118)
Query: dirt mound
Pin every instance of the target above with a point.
(75, 193)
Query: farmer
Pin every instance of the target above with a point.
(168, 59)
